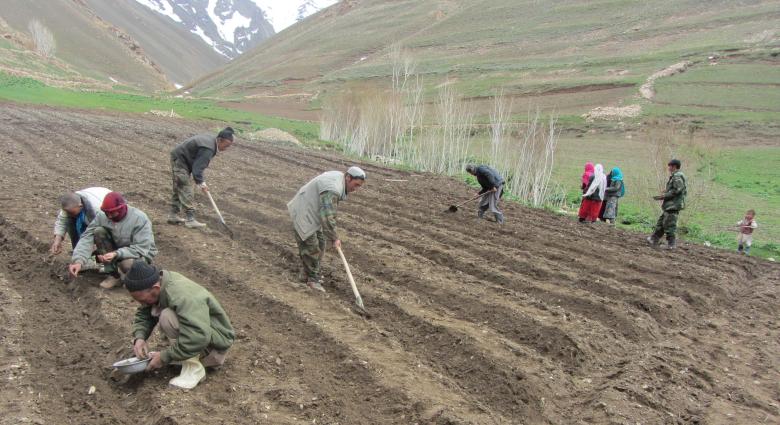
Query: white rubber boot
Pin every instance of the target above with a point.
(192, 372)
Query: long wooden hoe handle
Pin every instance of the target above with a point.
(214, 204)
(358, 298)
(221, 219)
(471, 199)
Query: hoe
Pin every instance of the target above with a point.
(454, 208)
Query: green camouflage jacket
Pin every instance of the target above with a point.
(676, 189)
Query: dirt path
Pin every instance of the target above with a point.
(472, 323)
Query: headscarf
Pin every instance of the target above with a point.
(114, 202)
(599, 182)
(618, 175)
(588, 172)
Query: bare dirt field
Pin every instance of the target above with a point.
(541, 321)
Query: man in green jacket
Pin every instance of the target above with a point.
(673, 202)
(313, 213)
(193, 320)
(192, 157)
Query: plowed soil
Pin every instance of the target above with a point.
(540, 321)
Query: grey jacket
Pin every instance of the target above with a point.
(488, 178)
(91, 199)
(133, 237)
(195, 154)
(304, 208)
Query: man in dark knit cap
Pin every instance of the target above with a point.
(193, 320)
(492, 189)
(119, 235)
(192, 157)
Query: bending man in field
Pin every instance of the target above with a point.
(192, 157)
(492, 189)
(78, 210)
(673, 202)
(313, 212)
(193, 320)
(119, 235)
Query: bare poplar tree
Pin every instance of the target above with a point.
(44, 41)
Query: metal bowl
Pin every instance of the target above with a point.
(131, 365)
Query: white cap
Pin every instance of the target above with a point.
(356, 172)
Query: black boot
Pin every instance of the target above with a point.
(671, 242)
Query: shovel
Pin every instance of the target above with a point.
(454, 208)
(358, 299)
(221, 219)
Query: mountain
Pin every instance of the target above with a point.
(284, 13)
(565, 53)
(180, 54)
(81, 48)
(230, 27)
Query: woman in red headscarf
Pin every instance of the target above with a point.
(586, 176)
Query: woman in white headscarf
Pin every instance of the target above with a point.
(594, 196)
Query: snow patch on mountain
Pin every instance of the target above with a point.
(161, 7)
(227, 22)
(230, 27)
(283, 13)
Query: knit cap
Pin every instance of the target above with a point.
(141, 276)
(226, 134)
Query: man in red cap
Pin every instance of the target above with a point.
(119, 235)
